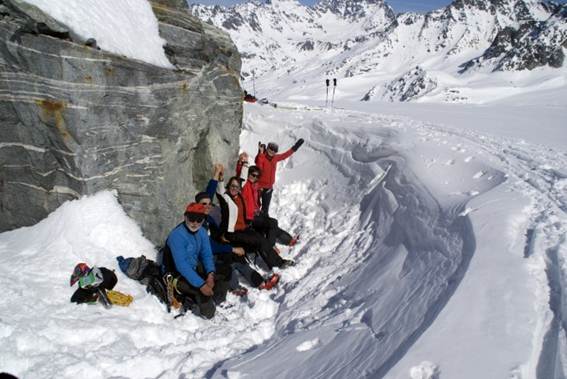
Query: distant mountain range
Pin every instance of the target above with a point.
(381, 55)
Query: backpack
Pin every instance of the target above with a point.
(167, 264)
(140, 269)
(148, 273)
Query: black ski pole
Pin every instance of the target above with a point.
(334, 87)
(327, 97)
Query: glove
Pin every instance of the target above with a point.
(297, 144)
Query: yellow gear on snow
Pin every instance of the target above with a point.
(119, 298)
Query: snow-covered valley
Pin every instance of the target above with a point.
(452, 266)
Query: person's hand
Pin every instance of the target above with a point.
(211, 280)
(261, 147)
(243, 157)
(217, 171)
(297, 144)
(206, 290)
(238, 251)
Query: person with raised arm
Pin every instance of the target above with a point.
(267, 161)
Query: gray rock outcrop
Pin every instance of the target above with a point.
(77, 120)
(533, 44)
(410, 86)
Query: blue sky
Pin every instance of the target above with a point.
(398, 5)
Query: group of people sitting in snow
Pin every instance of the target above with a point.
(201, 252)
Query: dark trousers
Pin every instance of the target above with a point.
(256, 242)
(266, 197)
(269, 227)
(206, 304)
(252, 276)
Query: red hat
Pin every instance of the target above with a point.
(196, 208)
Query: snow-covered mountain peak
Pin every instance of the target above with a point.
(284, 43)
(357, 9)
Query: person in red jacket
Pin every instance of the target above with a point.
(260, 222)
(267, 161)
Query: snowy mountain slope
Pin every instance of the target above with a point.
(291, 48)
(454, 264)
(531, 45)
(283, 34)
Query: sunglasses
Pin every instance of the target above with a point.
(234, 186)
(195, 217)
(254, 175)
(207, 203)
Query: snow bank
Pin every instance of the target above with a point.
(425, 370)
(125, 27)
(43, 335)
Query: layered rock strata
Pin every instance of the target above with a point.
(77, 120)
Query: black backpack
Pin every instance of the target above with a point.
(166, 262)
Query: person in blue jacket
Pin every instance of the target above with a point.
(193, 259)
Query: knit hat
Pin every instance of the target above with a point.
(273, 146)
(195, 208)
(202, 195)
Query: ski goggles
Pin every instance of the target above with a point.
(195, 217)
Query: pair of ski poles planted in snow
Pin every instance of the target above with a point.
(328, 82)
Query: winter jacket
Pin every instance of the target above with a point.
(267, 166)
(188, 250)
(230, 210)
(239, 166)
(251, 195)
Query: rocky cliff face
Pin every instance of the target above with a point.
(533, 44)
(412, 85)
(76, 120)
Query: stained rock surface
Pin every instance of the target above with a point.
(77, 120)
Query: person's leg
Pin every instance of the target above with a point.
(266, 226)
(251, 275)
(259, 243)
(223, 275)
(281, 236)
(284, 237)
(269, 255)
(205, 304)
(266, 198)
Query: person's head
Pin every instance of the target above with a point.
(253, 174)
(195, 215)
(204, 199)
(233, 186)
(272, 149)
